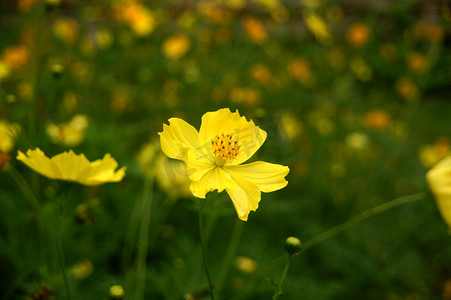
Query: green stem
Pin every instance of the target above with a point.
(143, 243)
(24, 187)
(361, 217)
(346, 225)
(231, 250)
(202, 243)
(62, 264)
(282, 279)
(58, 238)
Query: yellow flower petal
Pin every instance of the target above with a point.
(72, 167)
(245, 196)
(215, 179)
(268, 177)
(439, 180)
(223, 121)
(100, 171)
(198, 162)
(177, 138)
(36, 160)
(71, 163)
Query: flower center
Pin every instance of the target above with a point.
(225, 148)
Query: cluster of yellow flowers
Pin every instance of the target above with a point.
(212, 160)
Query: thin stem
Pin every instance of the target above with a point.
(23, 185)
(59, 248)
(282, 279)
(202, 243)
(231, 250)
(62, 264)
(143, 243)
(346, 225)
(361, 217)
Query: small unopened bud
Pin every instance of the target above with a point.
(52, 4)
(57, 70)
(116, 292)
(292, 245)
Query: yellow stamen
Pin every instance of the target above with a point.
(225, 148)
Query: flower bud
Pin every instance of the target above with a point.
(57, 70)
(116, 292)
(292, 245)
(52, 4)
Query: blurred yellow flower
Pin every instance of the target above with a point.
(213, 156)
(245, 264)
(300, 69)
(358, 34)
(25, 5)
(357, 140)
(361, 69)
(429, 155)
(249, 96)
(317, 27)
(254, 29)
(407, 89)
(172, 177)
(213, 12)
(16, 57)
(69, 134)
(425, 31)
(439, 180)
(289, 126)
(176, 46)
(140, 19)
(66, 29)
(170, 174)
(417, 62)
(263, 75)
(72, 167)
(81, 269)
(5, 70)
(8, 135)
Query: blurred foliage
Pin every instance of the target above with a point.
(354, 96)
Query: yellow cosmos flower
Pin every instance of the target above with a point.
(213, 157)
(71, 133)
(8, 135)
(72, 167)
(439, 180)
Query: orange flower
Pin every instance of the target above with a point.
(417, 62)
(254, 29)
(245, 95)
(407, 89)
(300, 69)
(377, 119)
(16, 56)
(357, 35)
